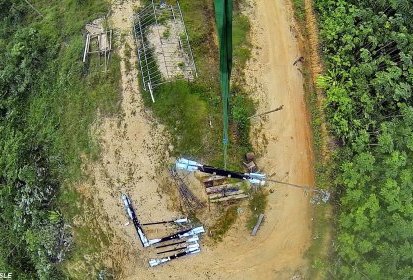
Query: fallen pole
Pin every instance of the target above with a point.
(172, 244)
(253, 178)
(172, 250)
(155, 262)
(227, 198)
(179, 235)
(192, 239)
(132, 215)
(178, 222)
(190, 165)
(191, 246)
(266, 113)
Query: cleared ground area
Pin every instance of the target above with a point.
(133, 145)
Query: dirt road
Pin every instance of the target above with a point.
(133, 144)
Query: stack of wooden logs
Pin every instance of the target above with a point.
(219, 190)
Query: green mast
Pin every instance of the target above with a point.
(223, 17)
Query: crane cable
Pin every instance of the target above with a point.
(307, 188)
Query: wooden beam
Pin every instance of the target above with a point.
(233, 197)
(220, 188)
(225, 194)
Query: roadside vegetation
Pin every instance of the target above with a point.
(48, 101)
(367, 48)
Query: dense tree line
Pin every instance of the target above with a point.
(368, 51)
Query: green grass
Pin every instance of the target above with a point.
(257, 205)
(91, 237)
(224, 223)
(318, 253)
(181, 108)
(127, 54)
(299, 10)
(72, 93)
(240, 40)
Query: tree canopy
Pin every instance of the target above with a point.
(367, 48)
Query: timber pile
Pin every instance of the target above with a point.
(214, 181)
(219, 191)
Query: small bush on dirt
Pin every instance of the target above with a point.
(257, 205)
(224, 223)
(299, 10)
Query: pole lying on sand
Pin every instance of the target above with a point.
(178, 222)
(189, 251)
(253, 178)
(179, 235)
(195, 245)
(148, 242)
(132, 215)
(192, 239)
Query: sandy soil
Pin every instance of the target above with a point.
(134, 150)
(172, 60)
(134, 144)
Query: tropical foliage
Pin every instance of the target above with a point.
(368, 51)
(47, 103)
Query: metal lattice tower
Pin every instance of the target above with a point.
(164, 51)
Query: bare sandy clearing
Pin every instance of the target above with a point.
(133, 145)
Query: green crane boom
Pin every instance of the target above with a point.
(223, 17)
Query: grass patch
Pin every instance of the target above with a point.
(319, 251)
(181, 108)
(224, 223)
(240, 40)
(90, 237)
(127, 53)
(299, 10)
(242, 107)
(257, 205)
